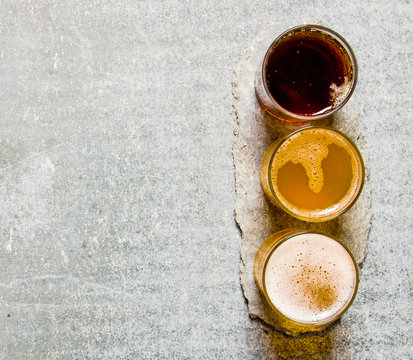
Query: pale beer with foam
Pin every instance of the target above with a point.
(308, 279)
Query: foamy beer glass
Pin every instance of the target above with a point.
(308, 279)
(314, 174)
(308, 73)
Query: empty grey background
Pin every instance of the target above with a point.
(117, 238)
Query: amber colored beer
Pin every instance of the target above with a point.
(314, 174)
(308, 279)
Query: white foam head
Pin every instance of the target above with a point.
(310, 278)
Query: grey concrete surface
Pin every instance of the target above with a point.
(117, 237)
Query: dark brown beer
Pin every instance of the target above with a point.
(308, 72)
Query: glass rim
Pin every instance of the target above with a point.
(358, 190)
(346, 46)
(329, 319)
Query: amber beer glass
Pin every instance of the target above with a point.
(308, 279)
(314, 174)
(308, 73)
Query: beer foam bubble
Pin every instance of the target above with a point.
(309, 148)
(310, 278)
(339, 93)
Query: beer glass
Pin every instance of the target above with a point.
(314, 173)
(308, 279)
(308, 73)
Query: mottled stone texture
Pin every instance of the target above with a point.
(117, 237)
